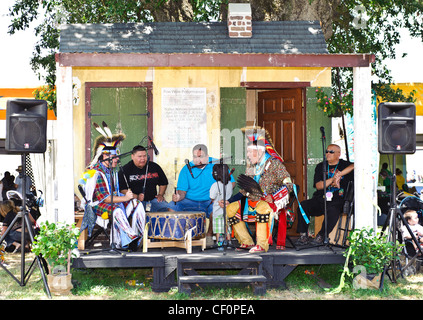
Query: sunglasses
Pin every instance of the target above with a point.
(330, 151)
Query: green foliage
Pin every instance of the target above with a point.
(335, 104)
(57, 12)
(372, 251)
(55, 242)
(359, 26)
(363, 26)
(47, 93)
(388, 93)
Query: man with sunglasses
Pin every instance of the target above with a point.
(339, 173)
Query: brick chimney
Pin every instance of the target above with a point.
(239, 20)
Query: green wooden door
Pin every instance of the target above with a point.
(232, 120)
(124, 110)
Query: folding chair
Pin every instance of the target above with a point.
(346, 217)
(90, 220)
(101, 229)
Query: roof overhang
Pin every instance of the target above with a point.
(212, 60)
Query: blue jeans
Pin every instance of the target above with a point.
(13, 236)
(156, 206)
(192, 205)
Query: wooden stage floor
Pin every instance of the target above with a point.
(174, 267)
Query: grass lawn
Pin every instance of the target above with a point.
(304, 283)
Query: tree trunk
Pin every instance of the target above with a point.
(262, 10)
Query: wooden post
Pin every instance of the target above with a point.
(365, 153)
(64, 197)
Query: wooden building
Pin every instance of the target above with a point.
(186, 83)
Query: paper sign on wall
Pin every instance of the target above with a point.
(184, 117)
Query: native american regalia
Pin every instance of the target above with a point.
(268, 177)
(98, 181)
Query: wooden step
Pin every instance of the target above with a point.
(220, 258)
(257, 281)
(222, 279)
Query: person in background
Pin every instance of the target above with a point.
(8, 212)
(19, 182)
(400, 180)
(8, 183)
(385, 177)
(412, 219)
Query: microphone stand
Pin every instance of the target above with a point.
(227, 242)
(324, 163)
(325, 172)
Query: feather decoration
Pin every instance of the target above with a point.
(250, 186)
(107, 129)
(96, 157)
(106, 139)
(118, 138)
(99, 129)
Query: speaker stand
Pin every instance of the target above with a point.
(26, 223)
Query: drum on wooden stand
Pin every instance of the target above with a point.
(174, 225)
(175, 229)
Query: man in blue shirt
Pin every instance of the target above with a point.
(193, 189)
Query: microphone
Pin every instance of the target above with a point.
(156, 152)
(189, 167)
(322, 130)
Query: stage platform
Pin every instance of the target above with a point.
(174, 267)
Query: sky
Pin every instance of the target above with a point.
(15, 54)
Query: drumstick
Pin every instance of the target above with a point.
(124, 177)
(127, 184)
(176, 168)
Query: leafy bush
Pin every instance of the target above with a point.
(371, 250)
(55, 243)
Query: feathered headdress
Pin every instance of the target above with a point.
(106, 142)
(260, 137)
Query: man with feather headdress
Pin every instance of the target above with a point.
(266, 177)
(99, 181)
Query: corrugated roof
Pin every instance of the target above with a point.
(287, 37)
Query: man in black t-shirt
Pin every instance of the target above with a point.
(338, 174)
(143, 177)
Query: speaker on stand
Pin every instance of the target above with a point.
(26, 132)
(397, 128)
(26, 126)
(396, 135)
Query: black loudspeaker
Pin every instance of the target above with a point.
(397, 128)
(26, 126)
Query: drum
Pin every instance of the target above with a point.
(174, 225)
